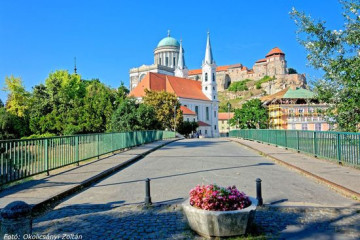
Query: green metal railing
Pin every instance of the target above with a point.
(343, 147)
(24, 158)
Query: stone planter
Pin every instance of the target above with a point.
(219, 223)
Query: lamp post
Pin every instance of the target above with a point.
(175, 119)
(228, 105)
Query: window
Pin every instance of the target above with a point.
(213, 77)
(205, 88)
(317, 126)
(197, 110)
(166, 61)
(214, 113)
(193, 119)
(304, 126)
(207, 113)
(215, 127)
(174, 61)
(206, 77)
(214, 96)
(213, 88)
(200, 131)
(159, 61)
(187, 119)
(205, 131)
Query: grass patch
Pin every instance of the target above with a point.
(239, 86)
(263, 80)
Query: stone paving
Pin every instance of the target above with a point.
(168, 222)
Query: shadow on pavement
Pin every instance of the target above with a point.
(187, 173)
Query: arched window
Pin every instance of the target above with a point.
(213, 88)
(213, 77)
(206, 77)
(205, 88)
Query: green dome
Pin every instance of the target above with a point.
(168, 41)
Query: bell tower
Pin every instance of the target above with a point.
(208, 78)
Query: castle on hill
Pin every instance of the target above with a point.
(166, 57)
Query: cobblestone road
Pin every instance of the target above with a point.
(168, 222)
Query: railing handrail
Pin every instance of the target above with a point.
(341, 146)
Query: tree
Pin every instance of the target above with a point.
(131, 116)
(292, 71)
(11, 126)
(187, 127)
(337, 54)
(252, 115)
(164, 104)
(17, 102)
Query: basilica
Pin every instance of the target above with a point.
(198, 98)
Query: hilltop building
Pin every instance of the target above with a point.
(295, 109)
(273, 65)
(198, 98)
(166, 57)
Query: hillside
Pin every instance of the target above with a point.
(240, 92)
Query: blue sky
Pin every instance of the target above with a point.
(110, 37)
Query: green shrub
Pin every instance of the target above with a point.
(263, 80)
(239, 86)
(45, 135)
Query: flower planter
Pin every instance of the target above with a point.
(219, 223)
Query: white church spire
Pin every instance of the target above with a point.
(208, 52)
(181, 69)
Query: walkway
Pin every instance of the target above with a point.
(111, 209)
(58, 185)
(345, 180)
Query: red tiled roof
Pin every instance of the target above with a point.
(187, 111)
(261, 60)
(194, 72)
(225, 116)
(181, 87)
(275, 50)
(218, 69)
(203, 124)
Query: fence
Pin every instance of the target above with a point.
(23, 158)
(340, 146)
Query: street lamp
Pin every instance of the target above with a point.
(175, 118)
(228, 105)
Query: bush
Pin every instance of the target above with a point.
(45, 135)
(215, 198)
(239, 86)
(263, 80)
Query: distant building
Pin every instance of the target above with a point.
(295, 109)
(273, 65)
(224, 123)
(166, 57)
(198, 98)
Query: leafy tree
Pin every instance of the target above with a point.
(292, 71)
(337, 54)
(130, 116)
(11, 126)
(164, 104)
(252, 115)
(17, 102)
(187, 127)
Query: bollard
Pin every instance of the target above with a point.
(16, 220)
(258, 192)
(147, 192)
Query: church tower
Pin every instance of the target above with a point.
(209, 88)
(208, 80)
(181, 70)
